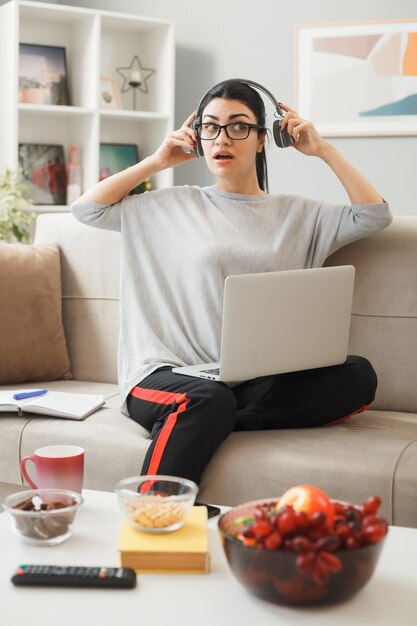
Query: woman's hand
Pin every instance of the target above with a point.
(177, 146)
(306, 138)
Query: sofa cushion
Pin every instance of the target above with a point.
(32, 340)
(372, 453)
(90, 265)
(384, 313)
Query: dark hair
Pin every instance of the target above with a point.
(236, 90)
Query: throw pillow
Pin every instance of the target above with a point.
(32, 340)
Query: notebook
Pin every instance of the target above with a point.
(74, 406)
(183, 550)
(276, 322)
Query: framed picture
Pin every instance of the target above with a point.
(43, 75)
(43, 168)
(109, 94)
(115, 157)
(357, 79)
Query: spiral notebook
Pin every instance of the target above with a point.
(75, 406)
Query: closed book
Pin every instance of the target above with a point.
(183, 550)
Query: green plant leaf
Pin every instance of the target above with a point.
(15, 207)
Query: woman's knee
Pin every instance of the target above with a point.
(218, 407)
(364, 378)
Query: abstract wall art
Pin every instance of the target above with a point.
(358, 78)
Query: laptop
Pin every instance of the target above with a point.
(286, 321)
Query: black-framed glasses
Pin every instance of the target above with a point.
(235, 130)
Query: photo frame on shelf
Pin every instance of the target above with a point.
(43, 77)
(43, 171)
(109, 93)
(116, 157)
(358, 78)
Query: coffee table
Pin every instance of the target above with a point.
(184, 599)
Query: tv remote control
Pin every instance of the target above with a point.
(75, 576)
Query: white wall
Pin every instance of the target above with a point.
(226, 38)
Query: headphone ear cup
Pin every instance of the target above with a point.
(198, 145)
(281, 137)
(199, 148)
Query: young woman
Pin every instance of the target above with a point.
(178, 246)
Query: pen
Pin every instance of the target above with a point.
(29, 394)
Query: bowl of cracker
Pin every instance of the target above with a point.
(156, 504)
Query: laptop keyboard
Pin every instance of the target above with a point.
(213, 370)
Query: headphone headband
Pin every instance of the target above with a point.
(250, 83)
(282, 138)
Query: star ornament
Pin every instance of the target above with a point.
(135, 76)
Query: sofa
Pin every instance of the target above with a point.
(374, 452)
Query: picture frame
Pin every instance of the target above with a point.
(109, 93)
(43, 77)
(43, 173)
(116, 157)
(357, 78)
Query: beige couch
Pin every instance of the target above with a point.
(372, 453)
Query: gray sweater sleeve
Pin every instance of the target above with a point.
(361, 220)
(106, 216)
(338, 225)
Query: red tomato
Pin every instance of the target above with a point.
(308, 499)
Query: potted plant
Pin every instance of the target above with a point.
(15, 213)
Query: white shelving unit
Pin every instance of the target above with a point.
(96, 43)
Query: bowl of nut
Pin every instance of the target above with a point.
(303, 548)
(156, 504)
(42, 517)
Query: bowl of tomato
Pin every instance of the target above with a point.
(292, 552)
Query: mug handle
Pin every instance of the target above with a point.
(24, 471)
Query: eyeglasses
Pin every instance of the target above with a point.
(234, 130)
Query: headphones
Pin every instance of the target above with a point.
(281, 137)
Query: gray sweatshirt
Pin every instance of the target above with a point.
(179, 244)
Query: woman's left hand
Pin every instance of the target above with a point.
(306, 138)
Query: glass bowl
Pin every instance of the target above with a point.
(43, 517)
(273, 574)
(156, 504)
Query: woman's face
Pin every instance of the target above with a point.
(227, 158)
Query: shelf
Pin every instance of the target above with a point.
(130, 22)
(96, 43)
(52, 13)
(138, 116)
(53, 109)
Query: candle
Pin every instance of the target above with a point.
(135, 77)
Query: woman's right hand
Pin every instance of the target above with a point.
(172, 151)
